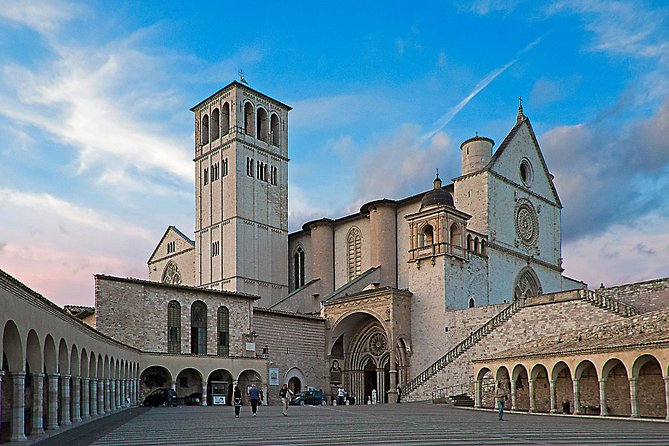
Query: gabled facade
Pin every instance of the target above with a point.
(173, 260)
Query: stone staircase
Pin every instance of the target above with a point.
(456, 395)
(463, 346)
(592, 297)
(607, 303)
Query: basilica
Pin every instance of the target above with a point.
(437, 296)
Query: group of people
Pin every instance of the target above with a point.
(256, 396)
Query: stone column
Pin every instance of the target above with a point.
(101, 396)
(204, 394)
(94, 396)
(380, 384)
(392, 392)
(107, 399)
(514, 399)
(112, 395)
(603, 410)
(577, 396)
(52, 401)
(634, 401)
(65, 400)
(18, 406)
(553, 393)
(478, 384)
(533, 406)
(2, 375)
(85, 399)
(666, 395)
(38, 404)
(75, 402)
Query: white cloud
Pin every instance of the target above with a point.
(44, 16)
(301, 209)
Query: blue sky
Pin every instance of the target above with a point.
(96, 136)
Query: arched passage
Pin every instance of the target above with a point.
(587, 388)
(614, 374)
(650, 388)
(219, 383)
(154, 377)
(522, 388)
(246, 379)
(189, 381)
(564, 387)
(485, 388)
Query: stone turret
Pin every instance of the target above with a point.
(476, 153)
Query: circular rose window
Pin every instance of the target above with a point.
(527, 222)
(377, 344)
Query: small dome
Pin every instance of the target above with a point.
(437, 196)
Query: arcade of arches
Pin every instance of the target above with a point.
(632, 383)
(369, 343)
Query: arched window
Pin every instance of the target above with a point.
(354, 240)
(455, 235)
(171, 274)
(173, 327)
(469, 242)
(483, 249)
(527, 284)
(198, 328)
(274, 130)
(261, 123)
(298, 265)
(476, 245)
(204, 131)
(248, 118)
(223, 331)
(472, 304)
(225, 122)
(427, 236)
(215, 124)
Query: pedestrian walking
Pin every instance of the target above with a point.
(254, 397)
(399, 394)
(500, 398)
(286, 395)
(237, 399)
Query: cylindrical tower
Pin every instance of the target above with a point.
(383, 228)
(476, 153)
(322, 253)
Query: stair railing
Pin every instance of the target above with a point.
(463, 346)
(608, 303)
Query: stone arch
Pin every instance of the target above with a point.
(521, 383)
(83, 365)
(275, 130)
(614, 374)
(249, 118)
(247, 378)
(171, 274)
(295, 379)
(34, 352)
(189, 380)
(650, 388)
(74, 361)
(153, 377)
(225, 118)
(215, 124)
(527, 284)
(425, 235)
(564, 385)
(63, 358)
(219, 382)
(262, 124)
(586, 374)
(12, 347)
(542, 397)
(50, 356)
(101, 367)
(456, 235)
(485, 388)
(204, 129)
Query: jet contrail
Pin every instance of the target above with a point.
(450, 114)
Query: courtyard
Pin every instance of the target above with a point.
(406, 424)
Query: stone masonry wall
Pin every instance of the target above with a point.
(292, 341)
(645, 296)
(529, 323)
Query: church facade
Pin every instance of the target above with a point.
(386, 279)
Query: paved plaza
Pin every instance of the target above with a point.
(406, 424)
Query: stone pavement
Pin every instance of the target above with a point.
(405, 424)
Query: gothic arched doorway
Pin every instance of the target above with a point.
(527, 284)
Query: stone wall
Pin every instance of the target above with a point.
(529, 323)
(134, 312)
(645, 296)
(292, 341)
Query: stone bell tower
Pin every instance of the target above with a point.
(241, 193)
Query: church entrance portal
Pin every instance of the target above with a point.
(370, 380)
